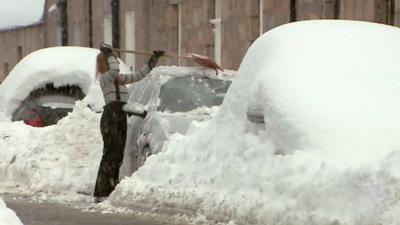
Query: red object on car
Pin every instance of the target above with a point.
(36, 120)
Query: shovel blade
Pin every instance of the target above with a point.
(205, 61)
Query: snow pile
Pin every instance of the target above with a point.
(7, 216)
(329, 91)
(59, 65)
(20, 13)
(63, 158)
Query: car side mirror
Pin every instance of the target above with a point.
(136, 109)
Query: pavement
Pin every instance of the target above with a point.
(35, 213)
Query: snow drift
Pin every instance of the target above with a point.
(329, 91)
(62, 159)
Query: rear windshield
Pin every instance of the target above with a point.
(183, 94)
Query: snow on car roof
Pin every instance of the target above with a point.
(20, 13)
(59, 65)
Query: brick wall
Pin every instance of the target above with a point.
(315, 9)
(275, 13)
(78, 23)
(17, 44)
(240, 27)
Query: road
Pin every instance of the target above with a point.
(33, 213)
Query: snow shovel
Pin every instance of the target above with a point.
(202, 60)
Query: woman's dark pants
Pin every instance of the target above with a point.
(113, 127)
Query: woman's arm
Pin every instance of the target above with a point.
(134, 77)
(113, 65)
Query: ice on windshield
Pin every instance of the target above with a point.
(183, 94)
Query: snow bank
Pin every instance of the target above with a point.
(60, 159)
(7, 216)
(60, 65)
(20, 13)
(329, 91)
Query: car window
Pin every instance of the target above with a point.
(141, 91)
(47, 105)
(183, 94)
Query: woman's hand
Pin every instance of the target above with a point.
(154, 58)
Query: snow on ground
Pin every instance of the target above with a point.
(20, 13)
(7, 216)
(60, 159)
(329, 91)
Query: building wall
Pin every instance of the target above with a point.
(140, 9)
(17, 44)
(51, 28)
(396, 13)
(100, 9)
(197, 35)
(357, 10)
(315, 9)
(240, 27)
(78, 23)
(163, 28)
(275, 13)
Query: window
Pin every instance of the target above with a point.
(293, 12)
(337, 9)
(217, 30)
(107, 29)
(384, 11)
(19, 52)
(58, 35)
(261, 17)
(5, 69)
(390, 12)
(77, 33)
(130, 38)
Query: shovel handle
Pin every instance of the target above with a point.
(149, 53)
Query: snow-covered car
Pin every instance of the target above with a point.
(329, 92)
(43, 87)
(174, 97)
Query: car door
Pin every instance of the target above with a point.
(138, 92)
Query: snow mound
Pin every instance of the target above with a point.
(59, 159)
(7, 216)
(329, 153)
(20, 13)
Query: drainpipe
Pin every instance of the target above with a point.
(115, 23)
(62, 5)
(261, 17)
(179, 32)
(90, 13)
(293, 11)
(217, 31)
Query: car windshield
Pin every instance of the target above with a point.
(183, 94)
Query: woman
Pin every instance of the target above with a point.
(113, 122)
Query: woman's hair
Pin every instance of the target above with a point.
(101, 65)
